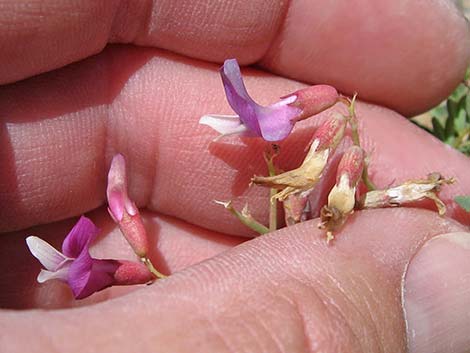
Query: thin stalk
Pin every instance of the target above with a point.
(152, 268)
(244, 217)
(352, 118)
(272, 192)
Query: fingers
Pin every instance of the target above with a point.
(286, 292)
(47, 35)
(382, 50)
(401, 54)
(57, 143)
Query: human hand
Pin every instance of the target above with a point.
(285, 291)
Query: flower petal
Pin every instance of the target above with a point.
(47, 255)
(225, 124)
(60, 274)
(88, 275)
(79, 237)
(238, 97)
(116, 192)
(277, 121)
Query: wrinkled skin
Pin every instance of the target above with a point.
(286, 291)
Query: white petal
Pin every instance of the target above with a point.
(224, 124)
(47, 255)
(61, 274)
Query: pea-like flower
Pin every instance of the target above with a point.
(74, 265)
(273, 122)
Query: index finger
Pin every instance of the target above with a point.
(403, 54)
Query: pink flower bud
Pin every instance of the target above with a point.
(351, 164)
(314, 99)
(123, 210)
(129, 273)
(330, 133)
(134, 231)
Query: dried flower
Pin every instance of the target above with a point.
(304, 178)
(74, 265)
(409, 191)
(123, 210)
(341, 199)
(296, 208)
(272, 123)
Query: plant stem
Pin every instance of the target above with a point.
(355, 137)
(272, 192)
(245, 218)
(152, 268)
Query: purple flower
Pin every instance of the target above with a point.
(273, 122)
(74, 265)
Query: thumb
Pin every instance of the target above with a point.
(437, 296)
(283, 292)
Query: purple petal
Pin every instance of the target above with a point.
(238, 97)
(277, 121)
(79, 237)
(273, 123)
(88, 275)
(47, 255)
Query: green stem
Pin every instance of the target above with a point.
(365, 178)
(352, 118)
(245, 218)
(152, 268)
(272, 192)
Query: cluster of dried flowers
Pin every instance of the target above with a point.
(86, 275)
(292, 188)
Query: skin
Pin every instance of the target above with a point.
(287, 291)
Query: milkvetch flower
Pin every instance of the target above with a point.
(303, 179)
(74, 265)
(273, 122)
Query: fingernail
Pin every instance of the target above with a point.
(436, 296)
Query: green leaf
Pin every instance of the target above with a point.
(464, 202)
(460, 120)
(438, 129)
(449, 125)
(452, 107)
(465, 149)
(467, 106)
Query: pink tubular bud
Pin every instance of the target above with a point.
(314, 99)
(351, 164)
(134, 231)
(123, 210)
(330, 133)
(129, 273)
